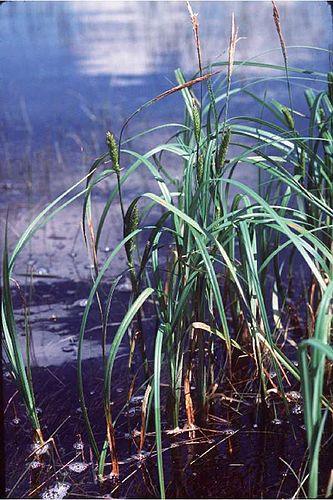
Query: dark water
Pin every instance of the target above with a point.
(71, 71)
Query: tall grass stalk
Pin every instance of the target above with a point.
(312, 381)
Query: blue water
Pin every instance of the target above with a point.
(73, 70)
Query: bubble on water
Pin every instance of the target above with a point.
(303, 427)
(16, 421)
(176, 430)
(40, 449)
(255, 426)
(42, 271)
(294, 396)
(131, 412)
(106, 249)
(35, 464)
(68, 348)
(295, 363)
(58, 490)
(297, 409)
(141, 456)
(89, 266)
(126, 286)
(229, 432)
(80, 303)
(272, 373)
(136, 400)
(78, 446)
(73, 255)
(277, 421)
(39, 411)
(120, 390)
(78, 467)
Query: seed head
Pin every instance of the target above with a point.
(288, 117)
(224, 147)
(196, 121)
(302, 163)
(131, 224)
(113, 151)
(200, 169)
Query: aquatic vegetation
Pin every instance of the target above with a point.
(215, 259)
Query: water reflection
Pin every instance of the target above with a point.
(75, 69)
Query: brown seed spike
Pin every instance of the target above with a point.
(195, 26)
(232, 47)
(276, 17)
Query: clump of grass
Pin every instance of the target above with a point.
(206, 261)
